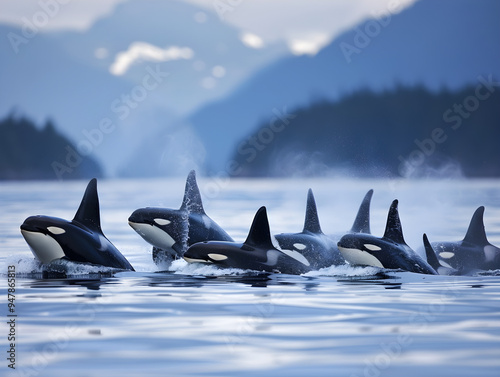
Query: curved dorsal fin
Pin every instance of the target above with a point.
(362, 221)
(393, 229)
(430, 254)
(259, 234)
(476, 234)
(311, 223)
(88, 212)
(192, 197)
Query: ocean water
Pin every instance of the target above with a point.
(201, 321)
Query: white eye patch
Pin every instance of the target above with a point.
(371, 247)
(56, 230)
(162, 221)
(299, 246)
(446, 254)
(217, 257)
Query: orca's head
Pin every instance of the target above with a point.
(216, 252)
(362, 249)
(465, 256)
(318, 250)
(166, 229)
(448, 254)
(294, 241)
(47, 236)
(246, 257)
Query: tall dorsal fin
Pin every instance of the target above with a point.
(476, 234)
(259, 234)
(88, 213)
(362, 221)
(311, 223)
(393, 229)
(192, 197)
(430, 254)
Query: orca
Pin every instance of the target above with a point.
(256, 253)
(319, 250)
(79, 240)
(172, 231)
(390, 251)
(474, 252)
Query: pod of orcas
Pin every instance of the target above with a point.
(189, 233)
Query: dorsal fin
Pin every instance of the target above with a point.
(393, 229)
(192, 197)
(88, 213)
(476, 234)
(430, 254)
(311, 223)
(362, 221)
(259, 234)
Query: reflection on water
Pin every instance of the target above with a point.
(198, 320)
(169, 279)
(92, 282)
(265, 324)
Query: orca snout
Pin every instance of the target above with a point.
(137, 217)
(155, 216)
(197, 253)
(347, 242)
(32, 224)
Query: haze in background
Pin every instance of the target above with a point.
(154, 88)
(311, 24)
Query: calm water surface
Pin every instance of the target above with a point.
(200, 321)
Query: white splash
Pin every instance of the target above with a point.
(344, 270)
(181, 267)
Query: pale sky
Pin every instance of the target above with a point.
(305, 25)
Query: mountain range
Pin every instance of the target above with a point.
(436, 44)
(455, 136)
(67, 75)
(176, 88)
(29, 152)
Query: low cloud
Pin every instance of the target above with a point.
(142, 51)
